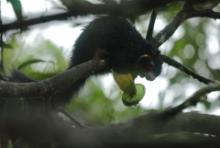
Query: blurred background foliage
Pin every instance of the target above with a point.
(196, 44)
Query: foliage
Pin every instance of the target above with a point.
(16, 4)
(40, 61)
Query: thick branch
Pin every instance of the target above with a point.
(62, 81)
(34, 21)
(78, 8)
(148, 130)
(126, 8)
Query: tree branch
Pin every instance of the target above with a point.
(80, 8)
(150, 29)
(146, 131)
(205, 13)
(168, 31)
(60, 82)
(193, 100)
(127, 8)
(185, 13)
(186, 70)
(34, 21)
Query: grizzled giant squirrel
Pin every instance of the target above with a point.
(117, 41)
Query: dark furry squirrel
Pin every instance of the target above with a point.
(116, 40)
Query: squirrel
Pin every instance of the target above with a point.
(116, 40)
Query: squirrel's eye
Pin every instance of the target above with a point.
(144, 58)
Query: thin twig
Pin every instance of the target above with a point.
(205, 13)
(193, 100)
(186, 70)
(185, 13)
(168, 31)
(151, 25)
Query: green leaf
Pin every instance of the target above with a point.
(16, 5)
(36, 75)
(29, 62)
(129, 100)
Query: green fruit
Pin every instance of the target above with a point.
(130, 100)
